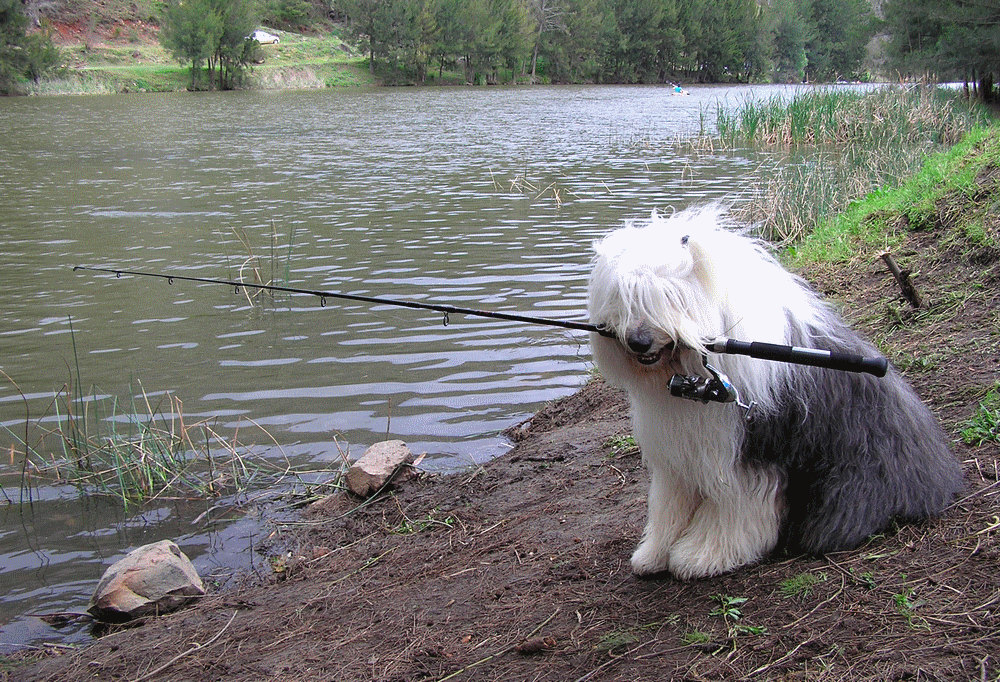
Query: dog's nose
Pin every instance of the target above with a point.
(640, 342)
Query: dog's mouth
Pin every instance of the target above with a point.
(652, 357)
(649, 358)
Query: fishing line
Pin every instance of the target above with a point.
(814, 357)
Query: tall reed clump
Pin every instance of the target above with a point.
(137, 450)
(830, 147)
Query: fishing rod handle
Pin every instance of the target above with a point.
(847, 362)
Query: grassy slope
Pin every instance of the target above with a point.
(951, 191)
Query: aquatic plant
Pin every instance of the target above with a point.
(139, 449)
(830, 147)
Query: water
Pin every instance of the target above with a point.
(483, 198)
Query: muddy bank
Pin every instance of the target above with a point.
(518, 570)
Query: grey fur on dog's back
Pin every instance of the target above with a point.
(843, 484)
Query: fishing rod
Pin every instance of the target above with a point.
(813, 357)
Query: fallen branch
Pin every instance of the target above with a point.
(903, 277)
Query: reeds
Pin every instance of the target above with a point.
(891, 114)
(137, 450)
(831, 147)
(252, 268)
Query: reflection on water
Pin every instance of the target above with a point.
(484, 198)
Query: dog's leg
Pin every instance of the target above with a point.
(738, 525)
(671, 504)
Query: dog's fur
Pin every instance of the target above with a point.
(828, 457)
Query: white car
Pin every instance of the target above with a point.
(264, 38)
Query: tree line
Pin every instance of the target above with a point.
(603, 41)
(947, 39)
(614, 41)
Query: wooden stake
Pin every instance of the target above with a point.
(903, 277)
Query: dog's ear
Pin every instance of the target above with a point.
(702, 263)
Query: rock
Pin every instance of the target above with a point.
(153, 579)
(377, 466)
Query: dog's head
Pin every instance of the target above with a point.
(652, 288)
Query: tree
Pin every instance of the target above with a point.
(191, 30)
(375, 25)
(632, 44)
(212, 32)
(571, 51)
(233, 50)
(23, 56)
(947, 38)
(790, 35)
(840, 31)
(725, 48)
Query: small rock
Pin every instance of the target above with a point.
(153, 579)
(377, 466)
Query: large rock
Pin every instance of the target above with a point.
(153, 579)
(377, 466)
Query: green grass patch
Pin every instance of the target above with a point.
(882, 218)
(832, 147)
(621, 445)
(800, 586)
(984, 426)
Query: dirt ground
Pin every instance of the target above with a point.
(519, 570)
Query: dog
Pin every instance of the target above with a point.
(824, 459)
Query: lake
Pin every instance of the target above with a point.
(475, 197)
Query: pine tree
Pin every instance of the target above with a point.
(23, 56)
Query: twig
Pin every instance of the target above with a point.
(368, 564)
(505, 650)
(781, 660)
(903, 277)
(604, 665)
(843, 584)
(195, 647)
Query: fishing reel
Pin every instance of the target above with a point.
(717, 388)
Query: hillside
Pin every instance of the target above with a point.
(113, 46)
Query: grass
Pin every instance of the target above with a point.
(621, 445)
(832, 147)
(984, 426)
(888, 115)
(881, 218)
(119, 64)
(801, 585)
(138, 450)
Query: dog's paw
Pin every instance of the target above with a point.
(697, 556)
(649, 558)
(685, 564)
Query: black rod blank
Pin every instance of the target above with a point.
(756, 349)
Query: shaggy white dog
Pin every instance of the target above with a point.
(825, 458)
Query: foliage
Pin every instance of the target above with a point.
(212, 32)
(876, 219)
(287, 13)
(984, 426)
(858, 142)
(952, 39)
(23, 56)
(620, 41)
(836, 45)
(729, 609)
